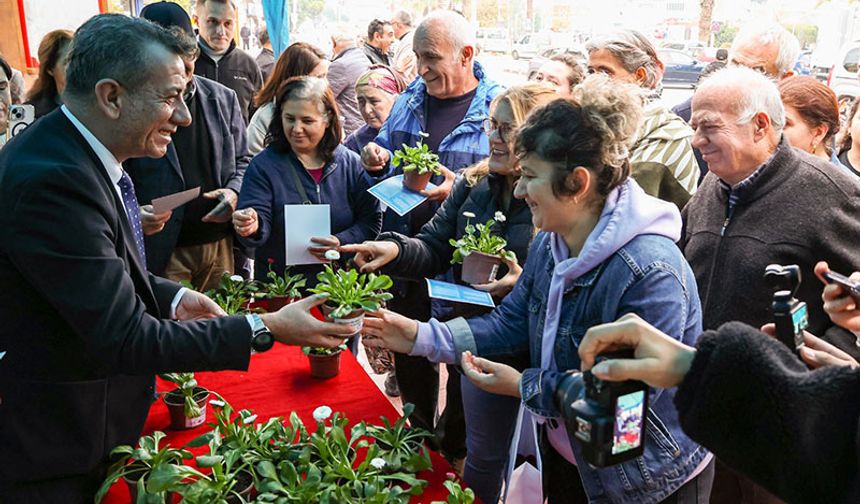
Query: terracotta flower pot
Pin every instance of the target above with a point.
(244, 486)
(480, 268)
(175, 402)
(354, 319)
(412, 180)
(324, 366)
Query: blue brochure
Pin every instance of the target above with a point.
(398, 198)
(458, 293)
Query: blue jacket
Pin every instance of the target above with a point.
(464, 146)
(268, 186)
(162, 176)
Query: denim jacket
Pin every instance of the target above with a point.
(649, 277)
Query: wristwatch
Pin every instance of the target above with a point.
(261, 337)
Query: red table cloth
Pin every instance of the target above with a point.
(278, 382)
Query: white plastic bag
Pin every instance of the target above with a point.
(524, 485)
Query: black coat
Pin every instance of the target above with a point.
(82, 320)
(429, 253)
(762, 412)
(162, 176)
(237, 70)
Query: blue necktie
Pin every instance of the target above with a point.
(132, 210)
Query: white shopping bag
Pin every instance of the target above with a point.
(524, 485)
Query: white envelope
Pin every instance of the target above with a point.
(301, 223)
(171, 201)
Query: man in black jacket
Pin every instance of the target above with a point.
(762, 202)
(194, 242)
(220, 59)
(84, 325)
(380, 38)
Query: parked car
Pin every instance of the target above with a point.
(843, 76)
(681, 68)
(493, 40)
(803, 64)
(530, 45)
(544, 56)
(691, 47)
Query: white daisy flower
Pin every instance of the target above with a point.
(322, 413)
(332, 255)
(469, 215)
(378, 462)
(500, 217)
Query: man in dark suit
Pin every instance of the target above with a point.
(83, 323)
(194, 242)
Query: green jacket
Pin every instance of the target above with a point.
(662, 158)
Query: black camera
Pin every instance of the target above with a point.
(790, 316)
(610, 421)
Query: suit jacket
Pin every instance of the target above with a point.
(81, 318)
(162, 176)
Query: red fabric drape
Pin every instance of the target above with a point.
(278, 382)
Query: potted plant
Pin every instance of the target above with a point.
(279, 291)
(351, 294)
(480, 251)
(401, 447)
(230, 480)
(419, 164)
(186, 404)
(233, 293)
(149, 470)
(325, 362)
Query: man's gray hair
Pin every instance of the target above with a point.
(118, 47)
(633, 51)
(449, 25)
(343, 33)
(403, 18)
(789, 47)
(756, 93)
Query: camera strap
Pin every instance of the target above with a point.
(523, 484)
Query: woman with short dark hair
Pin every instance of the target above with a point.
(53, 53)
(304, 146)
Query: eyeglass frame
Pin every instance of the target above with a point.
(503, 129)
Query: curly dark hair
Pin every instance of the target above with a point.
(593, 129)
(316, 90)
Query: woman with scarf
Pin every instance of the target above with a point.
(606, 249)
(375, 91)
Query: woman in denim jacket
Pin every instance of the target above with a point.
(607, 249)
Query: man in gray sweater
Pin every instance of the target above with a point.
(762, 202)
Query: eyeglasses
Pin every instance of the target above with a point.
(504, 130)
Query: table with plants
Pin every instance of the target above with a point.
(275, 433)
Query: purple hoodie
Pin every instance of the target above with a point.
(627, 213)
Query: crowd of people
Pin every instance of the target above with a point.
(633, 225)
